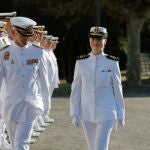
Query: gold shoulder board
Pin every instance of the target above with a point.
(37, 46)
(82, 57)
(4, 42)
(112, 57)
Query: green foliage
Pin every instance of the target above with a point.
(72, 11)
(124, 9)
(63, 90)
(71, 20)
(145, 37)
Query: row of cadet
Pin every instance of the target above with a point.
(34, 35)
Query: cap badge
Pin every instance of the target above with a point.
(12, 61)
(96, 29)
(29, 28)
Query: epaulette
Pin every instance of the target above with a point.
(4, 47)
(112, 57)
(4, 42)
(37, 46)
(83, 57)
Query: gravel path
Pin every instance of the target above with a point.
(61, 135)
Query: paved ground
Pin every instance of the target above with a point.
(61, 135)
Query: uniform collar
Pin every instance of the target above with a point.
(51, 49)
(97, 56)
(24, 47)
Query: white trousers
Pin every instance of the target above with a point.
(98, 134)
(20, 131)
(2, 131)
(2, 128)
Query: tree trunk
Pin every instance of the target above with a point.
(134, 28)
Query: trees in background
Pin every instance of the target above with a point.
(71, 20)
(135, 14)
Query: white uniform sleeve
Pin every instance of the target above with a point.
(49, 69)
(1, 71)
(117, 86)
(75, 97)
(44, 84)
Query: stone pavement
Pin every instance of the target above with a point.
(61, 135)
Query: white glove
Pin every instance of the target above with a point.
(76, 122)
(121, 123)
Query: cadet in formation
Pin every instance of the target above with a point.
(18, 36)
(51, 43)
(5, 40)
(96, 98)
(23, 71)
(39, 125)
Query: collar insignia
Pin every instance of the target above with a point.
(12, 61)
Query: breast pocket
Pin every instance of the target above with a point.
(9, 66)
(11, 69)
(32, 67)
(104, 78)
(31, 70)
(87, 78)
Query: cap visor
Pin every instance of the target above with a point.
(25, 34)
(96, 36)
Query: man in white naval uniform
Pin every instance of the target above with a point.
(6, 39)
(4, 42)
(53, 80)
(39, 125)
(52, 73)
(54, 42)
(96, 96)
(22, 67)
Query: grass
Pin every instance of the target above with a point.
(64, 90)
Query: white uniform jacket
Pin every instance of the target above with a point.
(51, 74)
(4, 42)
(96, 90)
(25, 76)
(56, 76)
(51, 68)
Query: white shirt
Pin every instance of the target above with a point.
(25, 76)
(96, 90)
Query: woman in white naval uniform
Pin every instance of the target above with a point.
(23, 70)
(96, 97)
